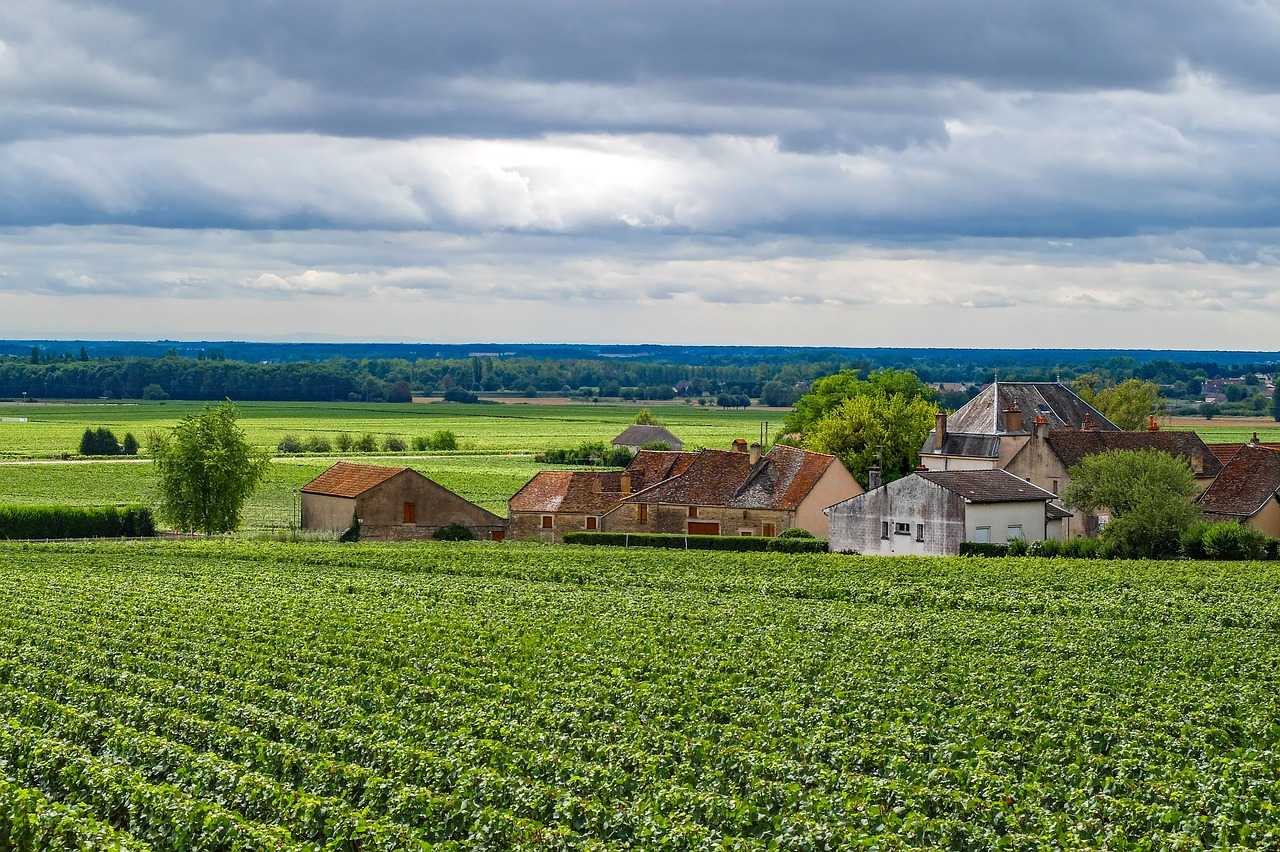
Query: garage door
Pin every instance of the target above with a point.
(704, 528)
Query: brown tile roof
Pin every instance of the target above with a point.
(986, 486)
(1248, 481)
(1072, 445)
(780, 480)
(1225, 452)
(588, 492)
(345, 479)
(650, 467)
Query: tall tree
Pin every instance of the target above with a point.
(874, 428)
(829, 392)
(207, 470)
(1148, 493)
(1129, 404)
(1275, 404)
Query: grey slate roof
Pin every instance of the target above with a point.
(639, 436)
(986, 486)
(970, 446)
(1057, 403)
(1053, 510)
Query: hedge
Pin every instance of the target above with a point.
(977, 548)
(699, 542)
(76, 522)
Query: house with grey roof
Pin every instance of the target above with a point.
(931, 513)
(988, 431)
(638, 436)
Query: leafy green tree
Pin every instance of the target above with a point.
(154, 391)
(289, 445)
(1208, 410)
(776, 394)
(89, 443)
(394, 444)
(207, 470)
(107, 444)
(1275, 405)
(442, 439)
(1130, 403)
(646, 418)
(343, 441)
(871, 428)
(129, 446)
(829, 392)
(1149, 494)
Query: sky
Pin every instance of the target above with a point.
(1003, 173)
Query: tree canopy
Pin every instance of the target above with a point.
(830, 392)
(1149, 494)
(871, 428)
(1128, 404)
(207, 470)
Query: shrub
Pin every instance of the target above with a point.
(289, 445)
(459, 395)
(129, 446)
(671, 540)
(1229, 540)
(76, 522)
(442, 440)
(393, 444)
(1018, 547)
(366, 443)
(1047, 548)
(318, 444)
(980, 548)
(154, 391)
(453, 532)
(587, 453)
(421, 443)
(796, 532)
(343, 441)
(1273, 548)
(1082, 548)
(793, 544)
(99, 442)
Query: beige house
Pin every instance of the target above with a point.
(1247, 490)
(739, 492)
(391, 503)
(931, 513)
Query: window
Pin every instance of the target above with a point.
(1053, 485)
(919, 532)
(884, 529)
(1015, 531)
(746, 532)
(982, 535)
(593, 522)
(497, 535)
(693, 511)
(642, 513)
(410, 513)
(769, 530)
(547, 521)
(901, 529)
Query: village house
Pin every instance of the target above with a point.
(1247, 490)
(739, 492)
(989, 430)
(390, 503)
(1047, 456)
(635, 438)
(554, 502)
(931, 513)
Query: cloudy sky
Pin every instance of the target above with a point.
(969, 172)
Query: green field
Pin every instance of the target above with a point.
(220, 695)
(52, 430)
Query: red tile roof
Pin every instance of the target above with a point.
(1249, 480)
(1072, 445)
(588, 492)
(780, 480)
(345, 479)
(1225, 452)
(650, 467)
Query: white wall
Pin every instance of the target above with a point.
(933, 462)
(999, 516)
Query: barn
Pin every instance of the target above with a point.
(391, 503)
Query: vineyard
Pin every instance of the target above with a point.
(254, 695)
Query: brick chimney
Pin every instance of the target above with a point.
(1013, 419)
(739, 445)
(939, 430)
(1152, 424)
(624, 483)
(1042, 427)
(1253, 442)
(874, 479)
(1088, 425)
(754, 456)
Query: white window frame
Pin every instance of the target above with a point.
(1013, 531)
(982, 535)
(902, 528)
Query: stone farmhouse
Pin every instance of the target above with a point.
(635, 437)
(391, 503)
(931, 513)
(1247, 490)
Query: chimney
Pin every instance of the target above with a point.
(1042, 427)
(624, 483)
(739, 445)
(939, 430)
(755, 455)
(1013, 419)
(1152, 425)
(1253, 442)
(873, 477)
(596, 487)
(1088, 425)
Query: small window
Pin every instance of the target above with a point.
(497, 535)
(884, 529)
(593, 522)
(746, 532)
(901, 529)
(982, 535)
(547, 522)
(693, 511)
(769, 530)
(919, 532)
(1053, 484)
(410, 513)
(1015, 531)
(642, 513)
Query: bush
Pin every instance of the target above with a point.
(129, 446)
(980, 548)
(393, 444)
(459, 395)
(796, 532)
(587, 453)
(289, 445)
(1018, 547)
(366, 443)
(1046, 548)
(99, 442)
(1229, 540)
(76, 522)
(155, 392)
(344, 442)
(453, 532)
(671, 540)
(442, 440)
(318, 444)
(794, 544)
(1082, 548)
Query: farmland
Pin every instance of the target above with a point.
(521, 696)
(52, 430)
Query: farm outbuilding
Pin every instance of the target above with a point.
(391, 503)
(637, 437)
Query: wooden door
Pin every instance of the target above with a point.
(410, 513)
(704, 528)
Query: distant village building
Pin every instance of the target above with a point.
(635, 438)
(931, 513)
(391, 503)
(1247, 490)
